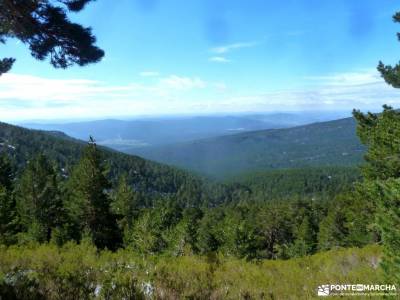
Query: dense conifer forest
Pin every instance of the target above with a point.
(157, 209)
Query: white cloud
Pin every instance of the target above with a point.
(360, 90)
(183, 83)
(227, 48)
(346, 91)
(149, 74)
(352, 78)
(30, 97)
(219, 59)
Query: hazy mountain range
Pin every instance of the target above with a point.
(125, 135)
(223, 146)
(332, 143)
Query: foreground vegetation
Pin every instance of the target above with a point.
(81, 272)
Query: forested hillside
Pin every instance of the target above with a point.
(157, 209)
(332, 143)
(323, 182)
(152, 178)
(161, 203)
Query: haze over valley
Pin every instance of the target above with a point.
(220, 146)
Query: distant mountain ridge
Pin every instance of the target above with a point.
(332, 143)
(125, 135)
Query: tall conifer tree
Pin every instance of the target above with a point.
(89, 201)
(8, 213)
(39, 203)
(381, 133)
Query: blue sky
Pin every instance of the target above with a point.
(213, 56)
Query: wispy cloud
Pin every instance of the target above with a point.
(361, 90)
(227, 48)
(183, 83)
(39, 89)
(367, 77)
(219, 59)
(30, 97)
(149, 74)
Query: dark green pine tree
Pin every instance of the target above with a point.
(332, 231)
(304, 242)
(209, 233)
(388, 218)
(88, 201)
(39, 203)
(190, 218)
(350, 220)
(381, 133)
(389, 73)
(126, 205)
(8, 210)
(6, 172)
(44, 26)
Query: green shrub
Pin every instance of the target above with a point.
(81, 272)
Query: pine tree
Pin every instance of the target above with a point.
(8, 210)
(125, 206)
(44, 26)
(359, 209)
(389, 222)
(146, 235)
(38, 200)
(209, 233)
(304, 242)
(192, 217)
(6, 172)
(332, 231)
(88, 201)
(381, 133)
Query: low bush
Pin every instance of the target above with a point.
(81, 272)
